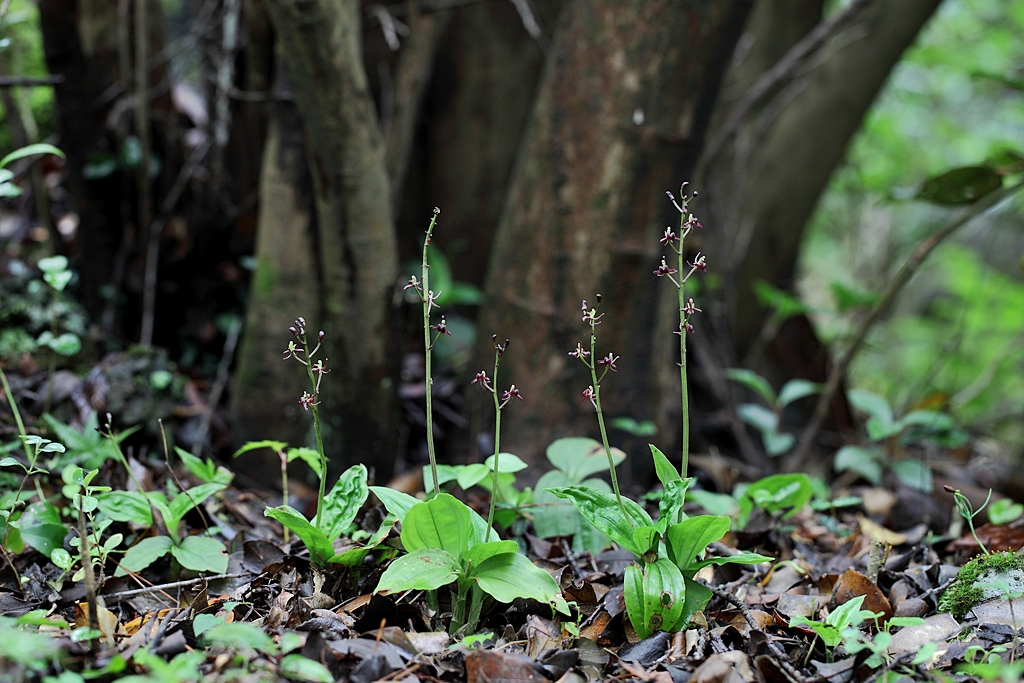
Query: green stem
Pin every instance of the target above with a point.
(284, 486)
(600, 422)
(17, 414)
(459, 607)
(319, 438)
(476, 602)
(425, 296)
(684, 464)
(497, 444)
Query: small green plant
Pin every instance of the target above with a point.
(1004, 511)
(967, 511)
(575, 460)
(301, 353)
(206, 471)
(845, 616)
(776, 494)
(429, 300)
(494, 461)
(335, 516)
(510, 500)
(885, 431)
(767, 420)
(308, 455)
(973, 583)
(988, 665)
(88, 447)
(7, 186)
(447, 543)
(23, 645)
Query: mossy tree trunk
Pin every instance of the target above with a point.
(352, 266)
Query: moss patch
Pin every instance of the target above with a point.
(964, 593)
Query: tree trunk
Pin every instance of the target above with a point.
(620, 119)
(265, 396)
(356, 264)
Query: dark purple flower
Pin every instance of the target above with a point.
(663, 269)
(690, 308)
(510, 394)
(485, 383)
(441, 327)
(669, 237)
(609, 361)
(699, 263)
(579, 352)
(588, 393)
(308, 400)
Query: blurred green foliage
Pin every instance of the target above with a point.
(22, 46)
(955, 100)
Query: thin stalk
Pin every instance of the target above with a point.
(476, 603)
(600, 421)
(497, 444)
(284, 487)
(459, 607)
(319, 439)
(684, 464)
(426, 296)
(31, 455)
(17, 414)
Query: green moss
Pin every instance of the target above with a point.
(963, 593)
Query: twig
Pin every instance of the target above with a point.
(782, 70)
(223, 374)
(780, 655)
(30, 81)
(170, 586)
(145, 189)
(903, 275)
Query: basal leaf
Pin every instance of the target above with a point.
(477, 554)
(752, 380)
(421, 569)
(201, 554)
(320, 549)
(342, 503)
(126, 506)
(603, 511)
(509, 576)
(144, 553)
(443, 522)
(691, 537)
(397, 503)
(41, 527)
(654, 596)
(665, 470)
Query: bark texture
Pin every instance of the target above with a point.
(619, 120)
(356, 262)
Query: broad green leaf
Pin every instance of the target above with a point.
(670, 507)
(507, 462)
(603, 511)
(752, 380)
(551, 516)
(959, 186)
(397, 503)
(443, 522)
(299, 668)
(691, 537)
(1004, 511)
(881, 424)
(665, 470)
(29, 150)
(320, 549)
(185, 501)
(714, 503)
(422, 569)
(445, 474)
(697, 597)
(796, 389)
(310, 456)
(740, 558)
(914, 473)
(201, 554)
(863, 461)
(645, 538)
(342, 503)
(580, 457)
(476, 554)
(471, 475)
(62, 558)
(777, 443)
(654, 596)
(239, 635)
(144, 553)
(41, 527)
(830, 635)
(780, 492)
(642, 428)
(202, 623)
(126, 506)
(757, 416)
(59, 280)
(510, 575)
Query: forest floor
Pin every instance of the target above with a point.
(845, 598)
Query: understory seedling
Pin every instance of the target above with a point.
(286, 455)
(510, 501)
(886, 432)
(767, 420)
(575, 460)
(776, 494)
(989, 665)
(301, 353)
(447, 543)
(967, 511)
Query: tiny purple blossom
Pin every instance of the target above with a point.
(609, 360)
(441, 327)
(700, 263)
(510, 394)
(579, 352)
(482, 378)
(308, 400)
(413, 282)
(690, 308)
(669, 237)
(664, 269)
(589, 393)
